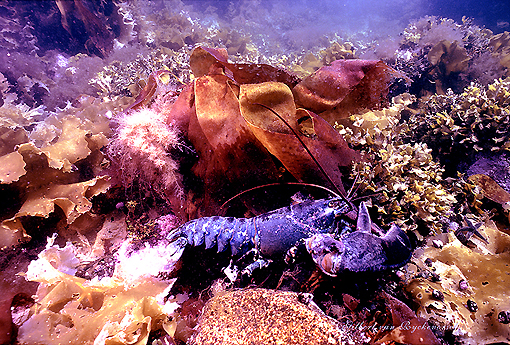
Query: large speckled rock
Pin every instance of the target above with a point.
(260, 316)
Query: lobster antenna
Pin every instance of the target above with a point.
(367, 196)
(279, 184)
(355, 187)
(351, 191)
(338, 192)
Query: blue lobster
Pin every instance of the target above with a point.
(317, 223)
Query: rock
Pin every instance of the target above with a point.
(495, 165)
(260, 316)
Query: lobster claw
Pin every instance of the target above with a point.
(360, 251)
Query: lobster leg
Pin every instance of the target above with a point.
(259, 263)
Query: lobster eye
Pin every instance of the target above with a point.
(339, 206)
(334, 203)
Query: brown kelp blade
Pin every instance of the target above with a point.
(345, 87)
(146, 95)
(202, 59)
(231, 158)
(323, 142)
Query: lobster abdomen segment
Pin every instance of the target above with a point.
(238, 234)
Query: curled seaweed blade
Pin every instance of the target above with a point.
(203, 59)
(148, 92)
(304, 156)
(345, 87)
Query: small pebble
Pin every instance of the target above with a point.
(434, 277)
(471, 305)
(428, 262)
(305, 298)
(438, 295)
(454, 226)
(463, 285)
(504, 317)
(437, 243)
(350, 302)
(400, 274)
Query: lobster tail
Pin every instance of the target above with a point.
(244, 238)
(238, 234)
